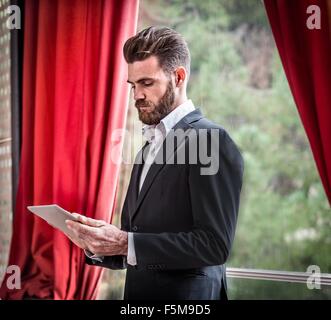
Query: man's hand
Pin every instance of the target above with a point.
(98, 237)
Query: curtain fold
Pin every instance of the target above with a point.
(305, 55)
(74, 96)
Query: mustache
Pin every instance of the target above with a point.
(142, 104)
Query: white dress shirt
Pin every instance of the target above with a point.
(155, 134)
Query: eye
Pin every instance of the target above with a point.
(147, 83)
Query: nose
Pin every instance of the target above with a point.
(138, 94)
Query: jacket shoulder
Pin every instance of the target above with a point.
(227, 146)
(205, 123)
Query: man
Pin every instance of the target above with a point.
(179, 217)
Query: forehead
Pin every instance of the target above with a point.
(148, 68)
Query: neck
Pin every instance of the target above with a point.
(179, 100)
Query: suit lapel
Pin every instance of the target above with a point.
(155, 168)
(133, 188)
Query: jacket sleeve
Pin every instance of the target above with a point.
(214, 202)
(110, 262)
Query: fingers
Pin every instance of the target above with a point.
(76, 215)
(80, 218)
(81, 230)
(89, 221)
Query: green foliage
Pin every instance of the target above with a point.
(245, 12)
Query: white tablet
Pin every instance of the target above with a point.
(54, 215)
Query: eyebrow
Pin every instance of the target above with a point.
(141, 80)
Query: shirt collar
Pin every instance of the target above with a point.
(168, 122)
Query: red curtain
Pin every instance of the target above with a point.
(305, 54)
(74, 96)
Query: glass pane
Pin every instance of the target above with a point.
(237, 80)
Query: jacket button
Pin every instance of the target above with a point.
(134, 228)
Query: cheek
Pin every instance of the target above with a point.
(152, 97)
(155, 95)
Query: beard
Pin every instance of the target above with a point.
(163, 108)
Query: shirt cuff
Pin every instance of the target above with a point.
(93, 256)
(131, 258)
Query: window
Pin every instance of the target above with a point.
(238, 81)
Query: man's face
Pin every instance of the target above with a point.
(152, 90)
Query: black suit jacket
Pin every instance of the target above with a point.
(183, 222)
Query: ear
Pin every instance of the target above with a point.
(180, 76)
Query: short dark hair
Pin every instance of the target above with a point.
(165, 43)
